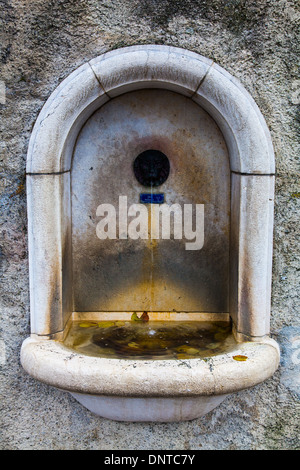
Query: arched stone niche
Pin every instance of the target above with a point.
(49, 166)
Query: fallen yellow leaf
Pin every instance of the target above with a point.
(86, 324)
(187, 349)
(120, 323)
(240, 358)
(105, 324)
(134, 317)
(133, 345)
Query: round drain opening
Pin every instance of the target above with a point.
(151, 168)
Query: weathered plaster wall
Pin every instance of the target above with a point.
(41, 43)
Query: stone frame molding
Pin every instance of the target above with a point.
(49, 164)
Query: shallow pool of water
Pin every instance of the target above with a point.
(150, 340)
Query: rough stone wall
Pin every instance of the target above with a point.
(42, 42)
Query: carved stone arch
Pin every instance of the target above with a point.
(132, 68)
(49, 163)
